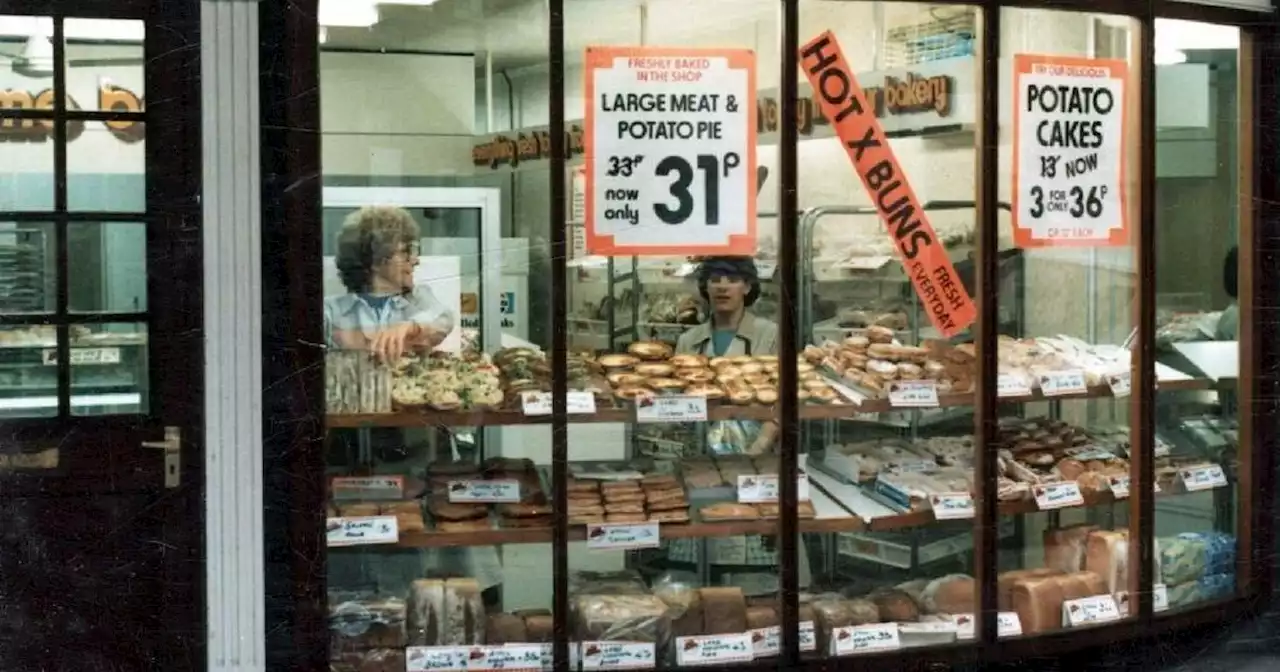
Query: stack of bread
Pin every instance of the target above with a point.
(532, 510)
(408, 513)
(872, 360)
(367, 633)
(447, 382)
(655, 498)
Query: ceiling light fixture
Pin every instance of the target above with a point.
(347, 14)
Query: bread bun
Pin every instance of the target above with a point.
(655, 370)
(649, 350)
(617, 361)
(708, 391)
(877, 334)
(767, 396)
(621, 378)
(741, 395)
(632, 392)
(856, 343)
(685, 361)
(695, 375)
(667, 384)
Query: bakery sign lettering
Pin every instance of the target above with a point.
(502, 150)
(923, 256)
(111, 98)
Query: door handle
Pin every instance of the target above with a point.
(172, 447)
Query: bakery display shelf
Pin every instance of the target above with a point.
(427, 417)
(542, 535)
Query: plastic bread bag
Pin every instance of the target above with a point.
(363, 621)
(729, 437)
(679, 591)
(621, 582)
(622, 618)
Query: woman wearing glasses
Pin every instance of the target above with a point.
(383, 311)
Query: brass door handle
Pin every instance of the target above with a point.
(172, 447)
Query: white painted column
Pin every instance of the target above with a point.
(233, 331)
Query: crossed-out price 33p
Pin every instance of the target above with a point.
(670, 162)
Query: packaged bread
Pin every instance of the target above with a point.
(425, 610)
(895, 606)
(621, 582)
(1107, 555)
(362, 622)
(1006, 580)
(504, 629)
(761, 616)
(1191, 555)
(1038, 603)
(626, 618)
(952, 594)
(724, 610)
(464, 613)
(376, 660)
(1064, 548)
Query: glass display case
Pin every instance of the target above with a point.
(835, 442)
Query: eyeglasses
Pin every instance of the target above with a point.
(410, 250)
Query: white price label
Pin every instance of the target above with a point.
(1009, 385)
(1120, 486)
(1059, 383)
(714, 649)
(763, 489)
(1120, 384)
(1058, 495)
(1090, 610)
(1159, 599)
(436, 658)
(503, 491)
(671, 151)
(363, 531)
(510, 657)
(951, 505)
(539, 403)
(1206, 477)
(1007, 625)
(865, 638)
(622, 537)
(1069, 189)
(366, 488)
(767, 642)
(913, 394)
(671, 408)
(84, 356)
(617, 656)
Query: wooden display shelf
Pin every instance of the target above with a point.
(709, 530)
(716, 411)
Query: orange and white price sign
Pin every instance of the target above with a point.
(923, 256)
(1068, 147)
(670, 151)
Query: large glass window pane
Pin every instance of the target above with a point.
(28, 268)
(1198, 234)
(1068, 173)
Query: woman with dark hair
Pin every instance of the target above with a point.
(1228, 328)
(730, 286)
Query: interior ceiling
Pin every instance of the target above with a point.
(515, 30)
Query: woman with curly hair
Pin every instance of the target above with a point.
(383, 311)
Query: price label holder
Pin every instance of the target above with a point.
(436, 658)
(1007, 625)
(1205, 477)
(767, 642)
(1062, 383)
(763, 489)
(1051, 496)
(502, 491)
(1120, 384)
(951, 505)
(678, 177)
(1090, 611)
(865, 638)
(84, 356)
(539, 403)
(364, 531)
(1008, 385)
(510, 657)
(913, 394)
(622, 537)
(617, 656)
(714, 649)
(367, 488)
(671, 408)
(1159, 599)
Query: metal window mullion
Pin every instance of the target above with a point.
(559, 337)
(60, 208)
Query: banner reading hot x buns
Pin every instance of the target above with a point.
(923, 256)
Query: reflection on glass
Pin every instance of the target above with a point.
(110, 267)
(1197, 98)
(28, 268)
(109, 369)
(28, 384)
(104, 65)
(27, 181)
(106, 166)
